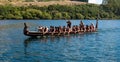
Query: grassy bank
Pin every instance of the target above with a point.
(43, 3)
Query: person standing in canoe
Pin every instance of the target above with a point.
(82, 26)
(68, 24)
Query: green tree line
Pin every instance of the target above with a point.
(86, 11)
(112, 7)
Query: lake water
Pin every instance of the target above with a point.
(102, 46)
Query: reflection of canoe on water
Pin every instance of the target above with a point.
(36, 33)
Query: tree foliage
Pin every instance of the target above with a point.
(86, 11)
(112, 6)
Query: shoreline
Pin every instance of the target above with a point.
(54, 19)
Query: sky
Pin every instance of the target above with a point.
(96, 1)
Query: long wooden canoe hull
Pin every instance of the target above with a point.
(52, 34)
(35, 33)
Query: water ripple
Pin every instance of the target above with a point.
(101, 46)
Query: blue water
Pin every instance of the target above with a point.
(101, 46)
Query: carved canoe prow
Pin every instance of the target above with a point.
(25, 30)
(96, 27)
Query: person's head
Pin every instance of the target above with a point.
(92, 24)
(86, 25)
(81, 21)
(68, 20)
(59, 26)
